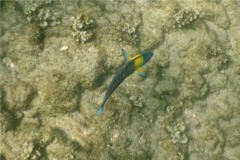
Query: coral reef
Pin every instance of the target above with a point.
(177, 134)
(127, 34)
(50, 88)
(82, 28)
(42, 15)
(185, 17)
(30, 152)
(136, 101)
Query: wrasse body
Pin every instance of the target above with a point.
(131, 65)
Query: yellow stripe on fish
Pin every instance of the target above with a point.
(138, 61)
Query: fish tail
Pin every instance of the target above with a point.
(100, 109)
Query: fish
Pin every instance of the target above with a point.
(131, 64)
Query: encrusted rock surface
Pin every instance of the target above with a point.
(50, 87)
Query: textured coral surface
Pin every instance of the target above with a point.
(57, 58)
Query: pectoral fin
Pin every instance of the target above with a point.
(141, 72)
(100, 109)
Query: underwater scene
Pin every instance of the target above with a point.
(119, 80)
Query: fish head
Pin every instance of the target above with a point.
(146, 55)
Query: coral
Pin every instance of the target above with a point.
(177, 134)
(43, 15)
(185, 17)
(136, 101)
(82, 28)
(30, 152)
(69, 157)
(127, 33)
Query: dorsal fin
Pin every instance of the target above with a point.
(125, 55)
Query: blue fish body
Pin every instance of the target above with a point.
(131, 65)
